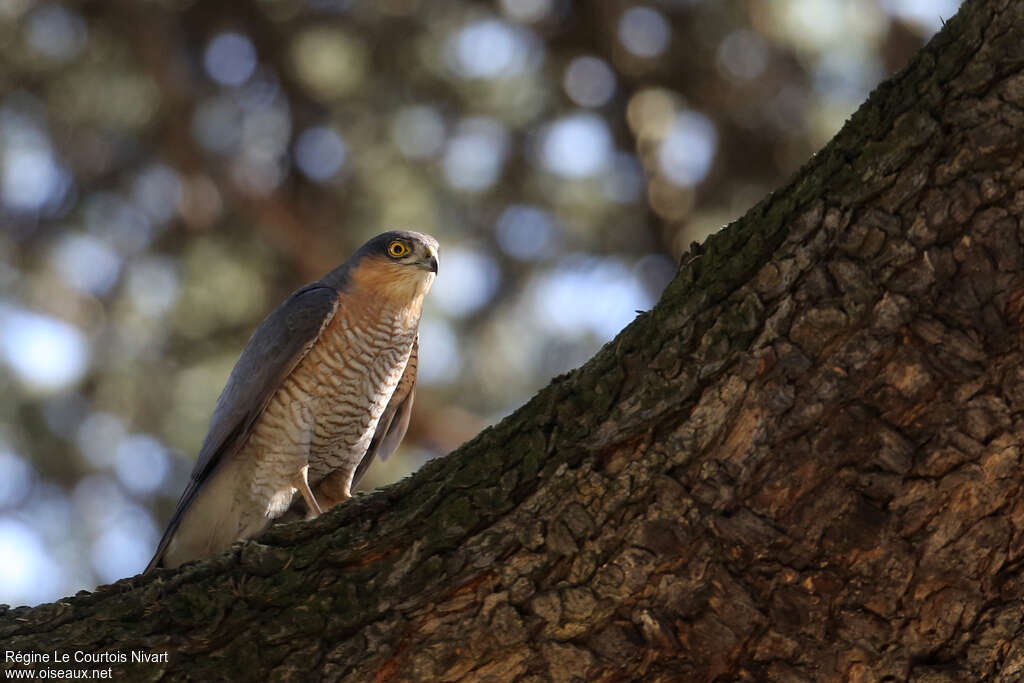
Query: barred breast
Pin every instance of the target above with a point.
(358, 364)
(326, 411)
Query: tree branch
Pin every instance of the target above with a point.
(803, 464)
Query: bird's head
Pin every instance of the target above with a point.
(398, 266)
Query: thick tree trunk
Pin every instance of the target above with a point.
(803, 464)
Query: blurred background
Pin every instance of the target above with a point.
(170, 170)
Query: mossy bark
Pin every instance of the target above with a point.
(803, 464)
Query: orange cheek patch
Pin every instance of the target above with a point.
(393, 283)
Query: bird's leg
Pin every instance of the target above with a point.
(301, 482)
(335, 488)
(302, 416)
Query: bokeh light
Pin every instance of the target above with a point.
(230, 59)
(98, 437)
(141, 463)
(686, 153)
(56, 32)
(439, 352)
(589, 81)
(86, 263)
(526, 232)
(153, 285)
(475, 154)
(158, 191)
(490, 48)
(45, 353)
(28, 572)
(927, 14)
(32, 176)
(577, 146)
(614, 295)
(743, 54)
(16, 478)
(644, 31)
(418, 131)
(469, 280)
(320, 152)
(527, 11)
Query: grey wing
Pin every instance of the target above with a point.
(273, 351)
(394, 422)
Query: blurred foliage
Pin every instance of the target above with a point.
(171, 169)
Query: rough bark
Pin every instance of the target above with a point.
(803, 464)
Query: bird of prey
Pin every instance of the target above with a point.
(325, 383)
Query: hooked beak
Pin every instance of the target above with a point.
(431, 263)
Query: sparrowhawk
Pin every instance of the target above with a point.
(325, 383)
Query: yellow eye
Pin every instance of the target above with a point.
(397, 249)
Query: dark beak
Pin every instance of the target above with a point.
(432, 264)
